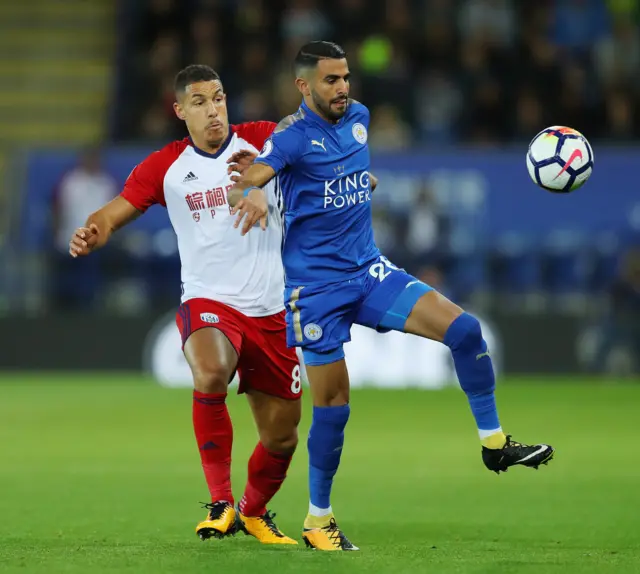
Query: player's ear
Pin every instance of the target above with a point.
(303, 86)
(177, 108)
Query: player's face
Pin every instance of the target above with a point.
(203, 107)
(329, 88)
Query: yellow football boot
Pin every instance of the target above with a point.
(322, 533)
(263, 528)
(220, 522)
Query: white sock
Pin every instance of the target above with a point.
(315, 511)
(487, 433)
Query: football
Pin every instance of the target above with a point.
(560, 159)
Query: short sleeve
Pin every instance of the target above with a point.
(281, 149)
(145, 185)
(256, 133)
(362, 112)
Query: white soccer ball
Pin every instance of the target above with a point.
(560, 159)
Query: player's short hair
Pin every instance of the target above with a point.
(310, 54)
(192, 74)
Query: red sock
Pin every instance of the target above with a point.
(267, 471)
(214, 435)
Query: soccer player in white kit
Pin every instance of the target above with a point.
(232, 312)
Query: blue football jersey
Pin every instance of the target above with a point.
(324, 178)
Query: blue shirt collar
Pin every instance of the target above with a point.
(319, 119)
(222, 149)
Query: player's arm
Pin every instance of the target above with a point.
(239, 162)
(142, 189)
(255, 176)
(100, 225)
(374, 181)
(247, 197)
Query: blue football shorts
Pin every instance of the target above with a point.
(319, 316)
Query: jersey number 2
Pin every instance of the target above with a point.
(382, 269)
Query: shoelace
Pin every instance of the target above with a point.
(515, 443)
(216, 509)
(334, 534)
(267, 518)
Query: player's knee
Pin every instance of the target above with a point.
(283, 441)
(211, 377)
(331, 396)
(328, 377)
(464, 333)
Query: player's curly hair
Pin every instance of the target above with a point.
(310, 54)
(192, 74)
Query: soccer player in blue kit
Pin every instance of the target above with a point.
(336, 276)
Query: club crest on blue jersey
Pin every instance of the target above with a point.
(359, 133)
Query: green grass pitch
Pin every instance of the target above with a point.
(101, 474)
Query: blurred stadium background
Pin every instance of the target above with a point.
(456, 88)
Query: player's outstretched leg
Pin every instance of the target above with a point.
(437, 318)
(277, 421)
(213, 361)
(329, 381)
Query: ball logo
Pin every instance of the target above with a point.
(312, 331)
(267, 149)
(359, 133)
(574, 155)
(209, 318)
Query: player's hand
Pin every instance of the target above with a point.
(239, 162)
(252, 208)
(84, 240)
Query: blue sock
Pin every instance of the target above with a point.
(325, 441)
(474, 369)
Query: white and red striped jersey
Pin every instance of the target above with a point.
(217, 262)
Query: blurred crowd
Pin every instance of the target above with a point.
(433, 72)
